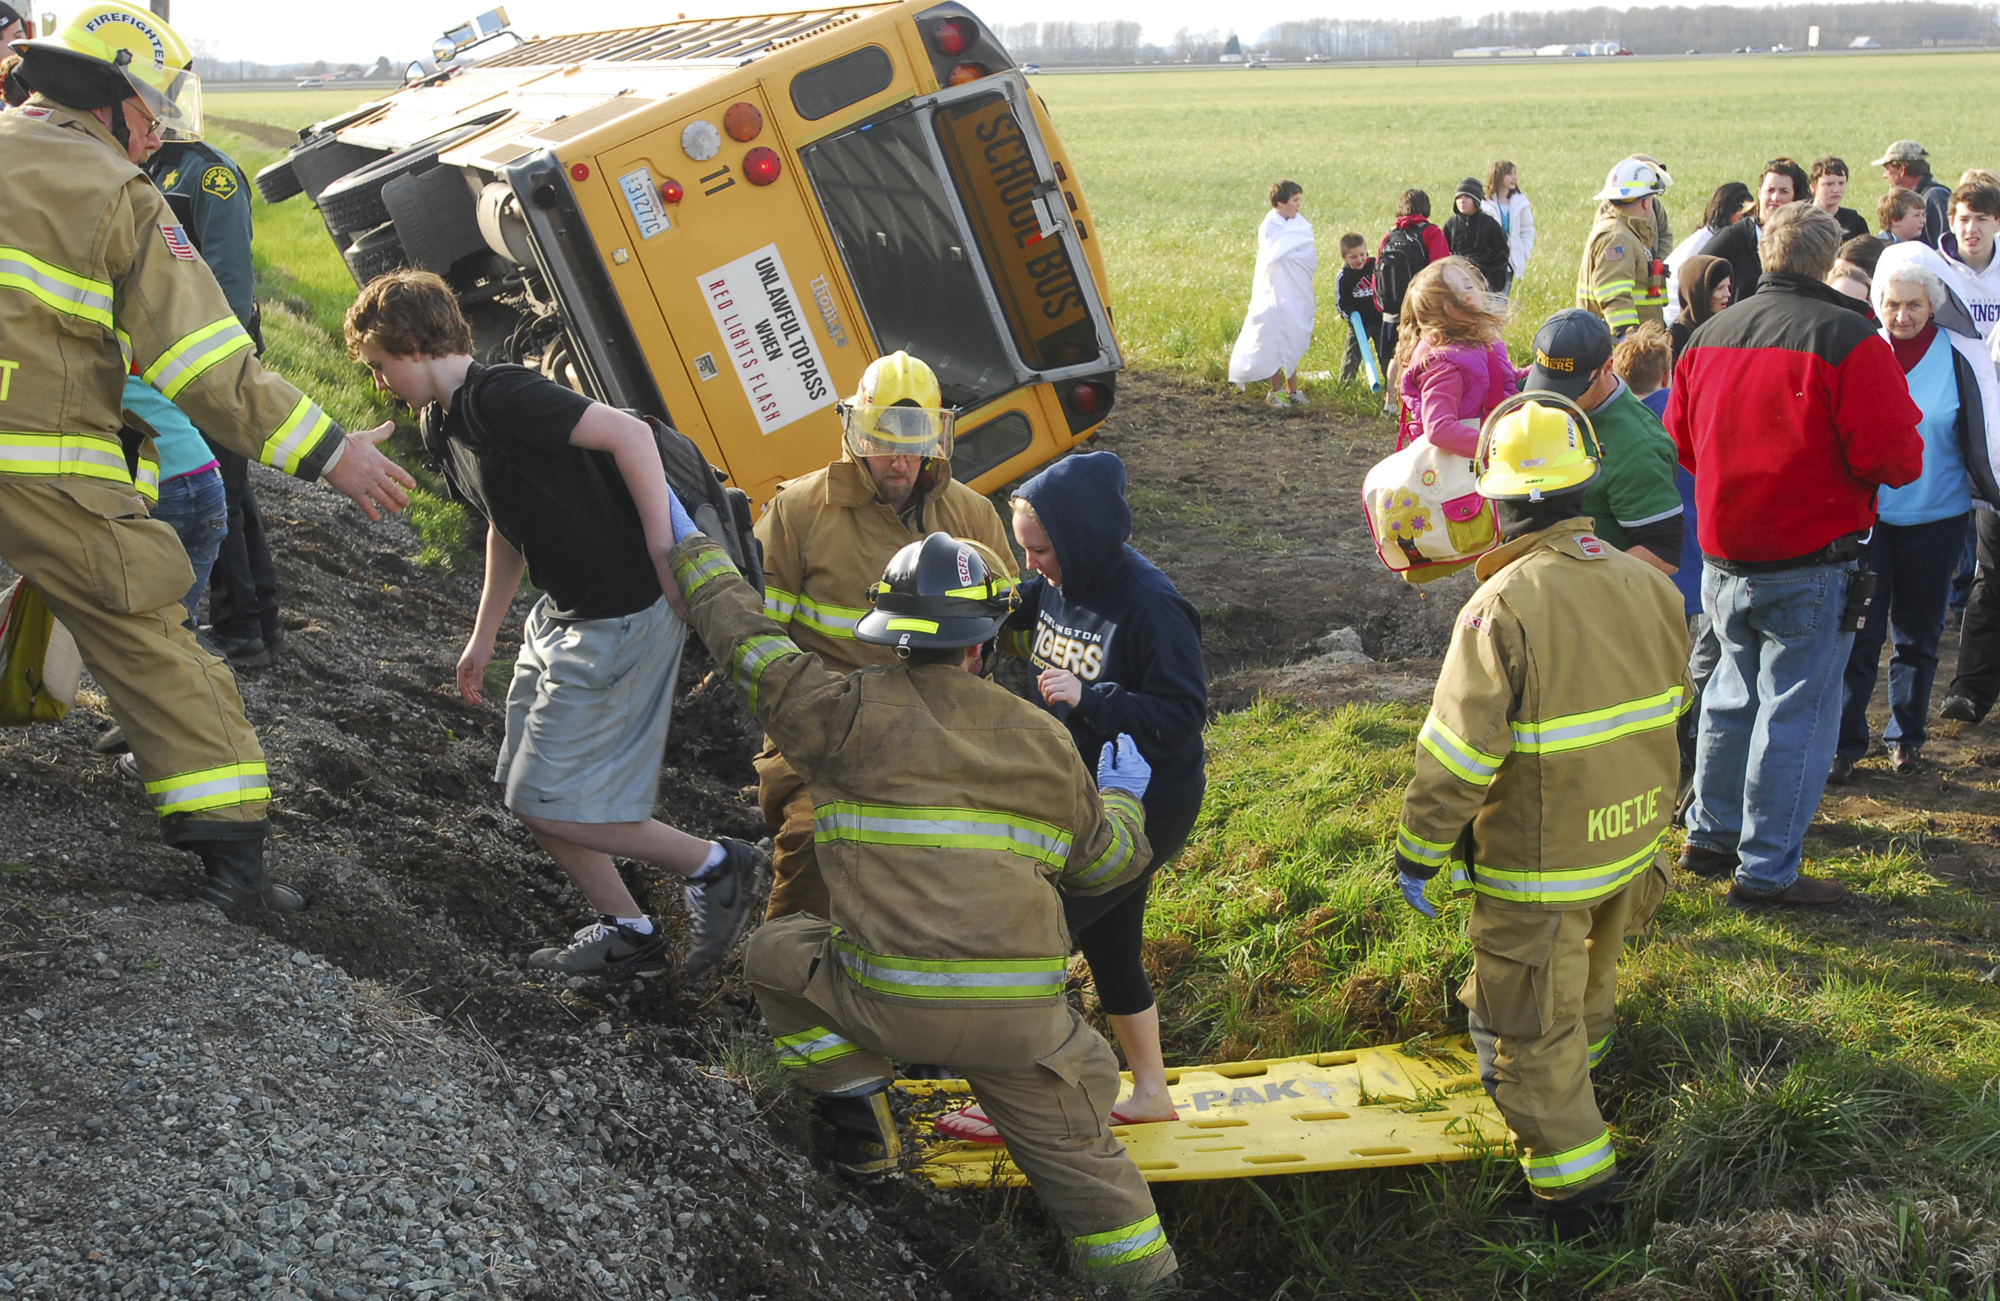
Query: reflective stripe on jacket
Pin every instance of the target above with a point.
(96, 276)
(1615, 279)
(827, 540)
(1552, 728)
(947, 810)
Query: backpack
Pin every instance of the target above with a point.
(718, 510)
(1403, 255)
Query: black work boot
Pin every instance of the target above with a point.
(233, 853)
(865, 1142)
(1595, 1208)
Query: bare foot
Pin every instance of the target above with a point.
(1145, 1109)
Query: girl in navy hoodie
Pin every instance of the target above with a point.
(1119, 650)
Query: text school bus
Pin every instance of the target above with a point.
(723, 221)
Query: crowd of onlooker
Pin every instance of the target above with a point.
(1798, 413)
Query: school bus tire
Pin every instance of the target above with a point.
(279, 182)
(355, 202)
(378, 251)
(319, 163)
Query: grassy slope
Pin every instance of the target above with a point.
(1763, 1060)
(1178, 164)
(305, 288)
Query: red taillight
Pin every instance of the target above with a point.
(1089, 398)
(954, 36)
(579, 172)
(761, 166)
(670, 190)
(965, 72)
(743, 122)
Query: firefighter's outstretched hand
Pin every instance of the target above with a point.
(1122, 768)
(1413, 893)
(369, 478)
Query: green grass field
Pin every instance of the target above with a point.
(1762, 1063)
(1765, 1064)
(1177, 165)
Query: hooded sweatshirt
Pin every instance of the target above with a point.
(1119, 624)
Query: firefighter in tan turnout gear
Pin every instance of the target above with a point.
(948, 812)
(1546, 775)
(97, 278)
(827, 537)
(1619, 278)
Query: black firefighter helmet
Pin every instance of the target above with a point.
(938, 594)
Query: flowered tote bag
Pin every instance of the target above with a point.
(1425, 512)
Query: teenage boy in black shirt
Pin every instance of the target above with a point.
(573, 492)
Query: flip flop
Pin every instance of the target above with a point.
(968, 1125)
(1119, 1118)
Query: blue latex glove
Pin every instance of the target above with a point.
(1122, 768)
(1413, 894)
(683, 522)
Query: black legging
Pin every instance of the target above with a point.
(1110, 927)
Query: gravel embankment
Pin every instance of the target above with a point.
(193, 1110)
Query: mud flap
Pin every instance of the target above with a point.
(1411, 1104)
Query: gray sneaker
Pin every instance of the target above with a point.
(721, 905)
(606, 950)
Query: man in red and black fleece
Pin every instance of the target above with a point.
(1789, 411)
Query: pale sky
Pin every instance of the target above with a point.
(357, 32)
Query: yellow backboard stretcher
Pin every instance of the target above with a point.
(1399, 1105)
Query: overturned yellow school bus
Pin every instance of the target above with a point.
(723, 221)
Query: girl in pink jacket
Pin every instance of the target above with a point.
(1453, 364)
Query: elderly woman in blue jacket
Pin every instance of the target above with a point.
(1920, 527)
(1118, 649)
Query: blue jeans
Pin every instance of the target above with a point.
(193, 504)
(1769, 716)
(1913, 564)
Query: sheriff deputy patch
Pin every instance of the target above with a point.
(219, 181)
(177, 240)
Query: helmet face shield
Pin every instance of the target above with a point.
(173, 97)
(898, 430)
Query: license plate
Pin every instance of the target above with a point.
(644, 200)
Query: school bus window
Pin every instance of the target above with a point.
(1036, 282)
(974, 453)
(905, 255)
(837, 83)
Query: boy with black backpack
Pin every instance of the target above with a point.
(1412, 244)
(574, 493)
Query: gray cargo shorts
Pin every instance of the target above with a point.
(587, 715)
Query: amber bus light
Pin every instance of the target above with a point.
(761, 166)
(965, 72)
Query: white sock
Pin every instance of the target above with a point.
(638, 925)
(715, 856)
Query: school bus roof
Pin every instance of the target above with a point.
(555, 88)
(737, 39)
